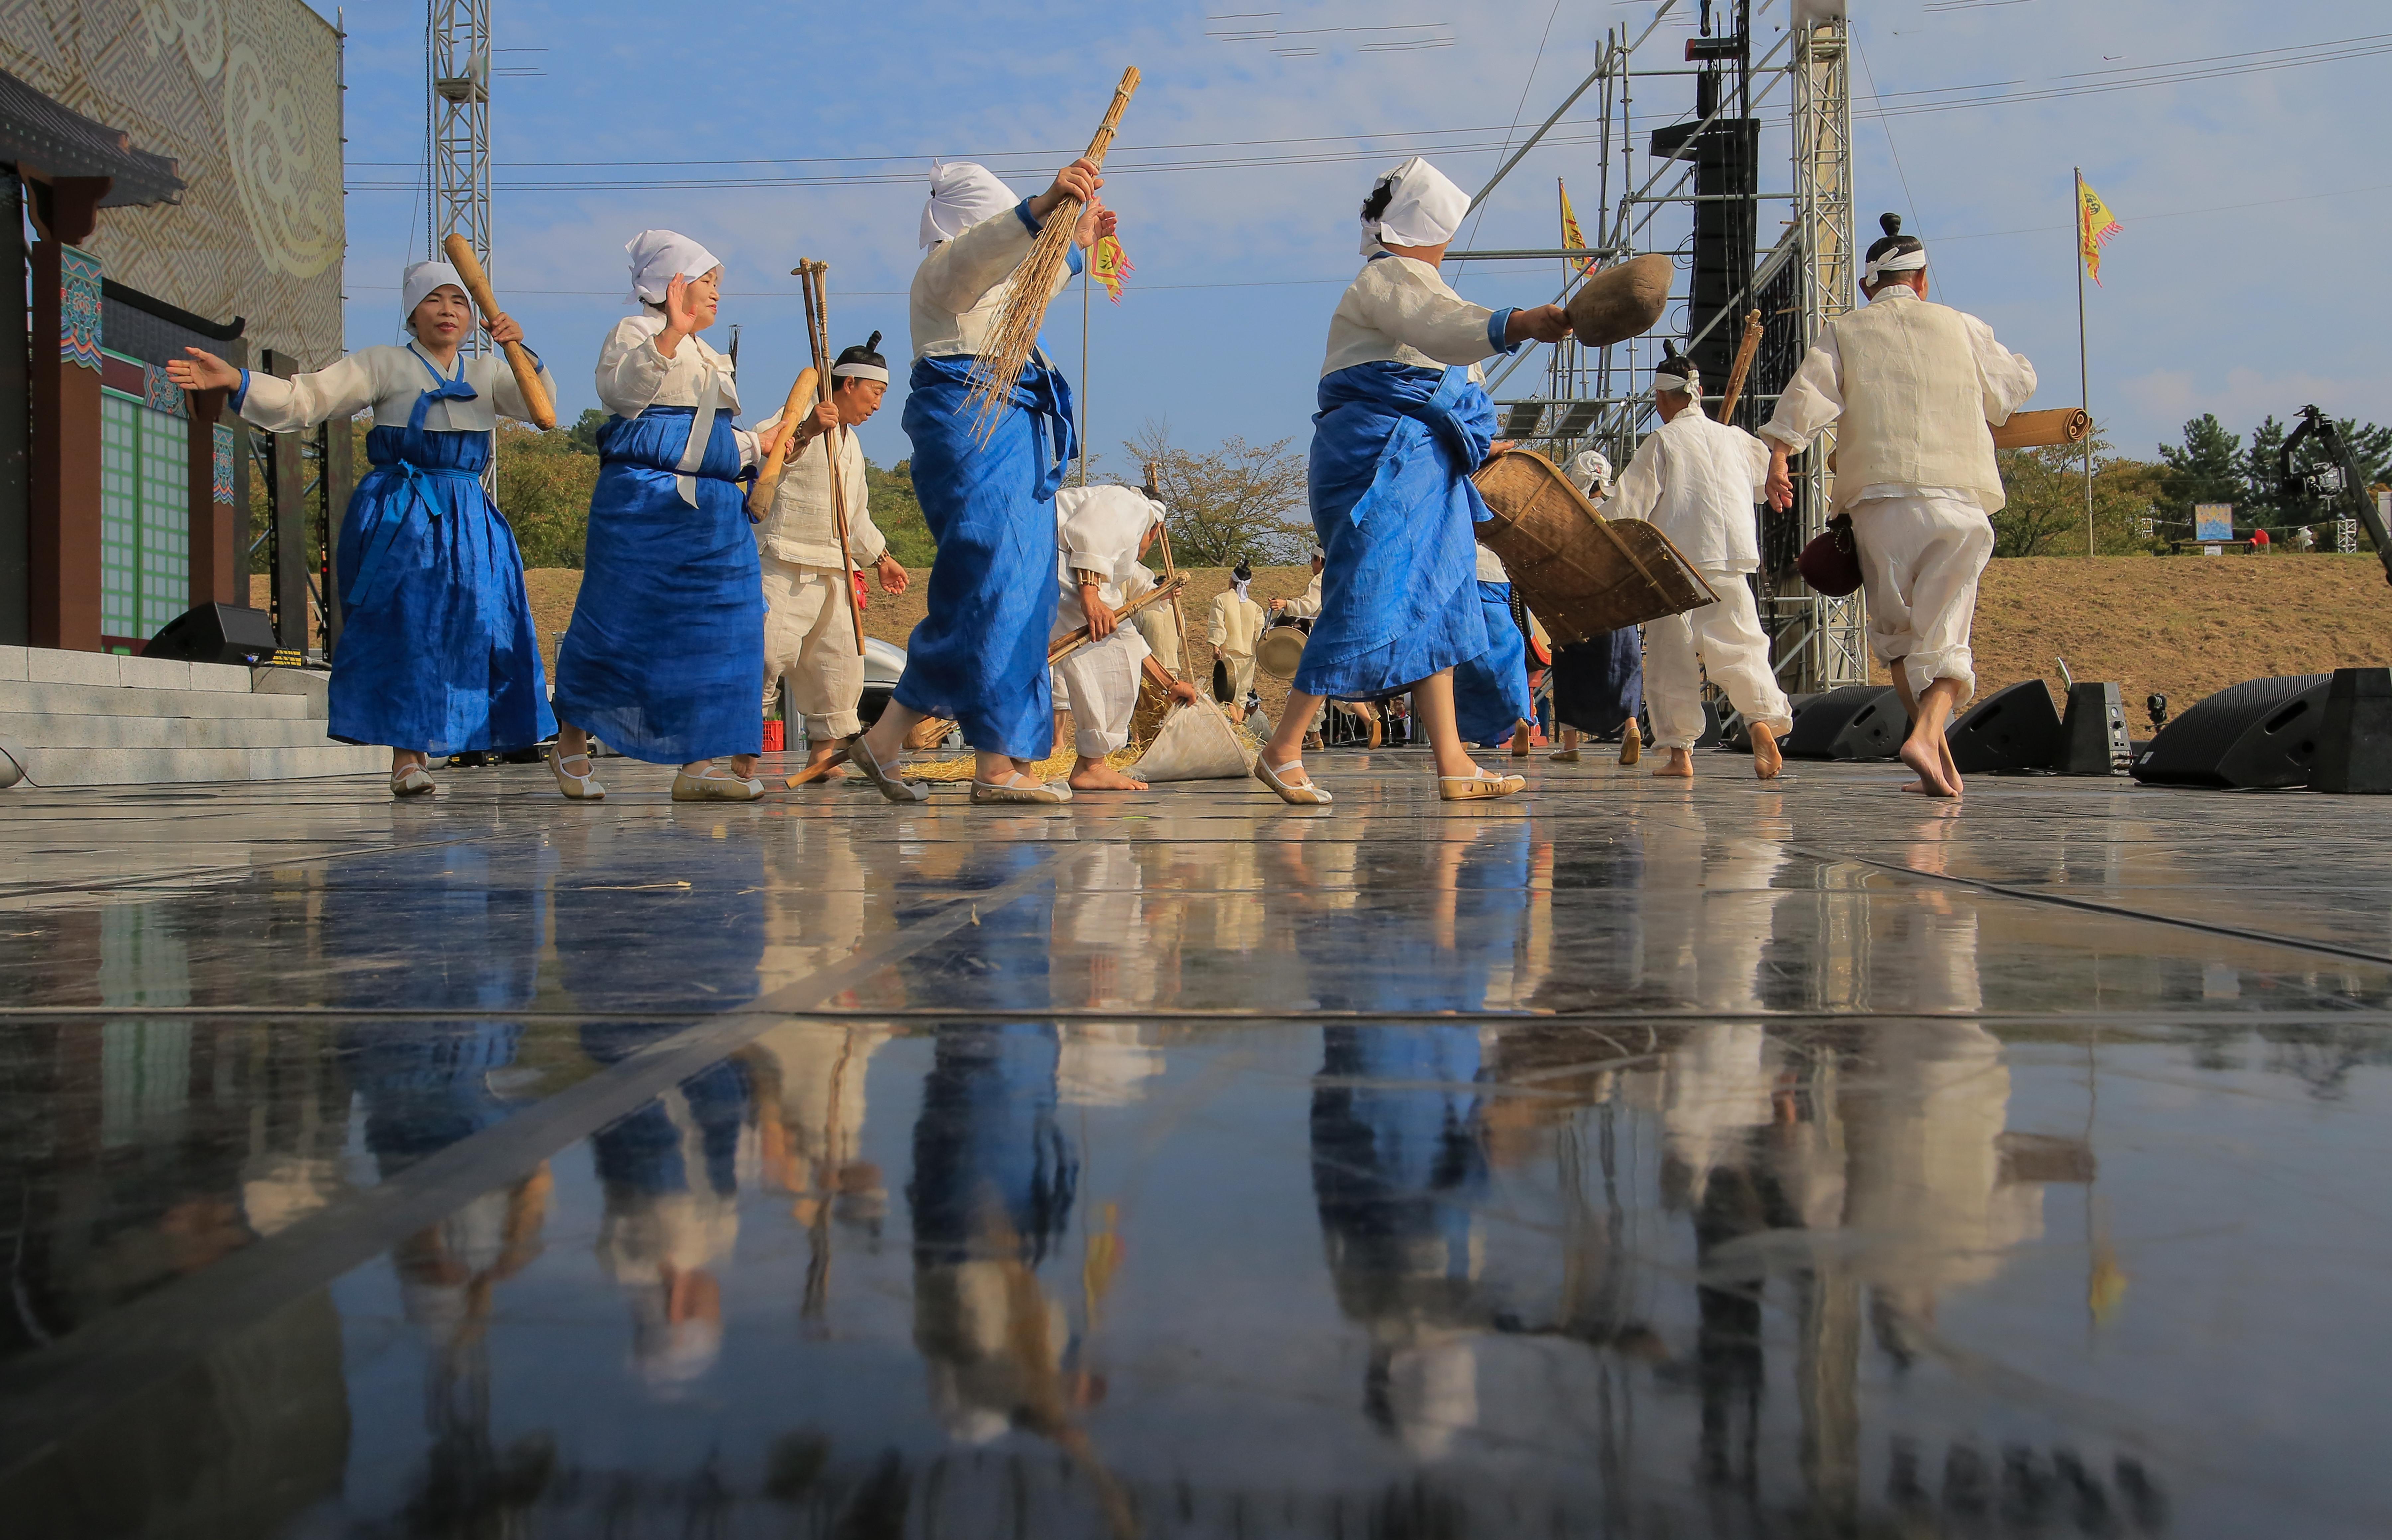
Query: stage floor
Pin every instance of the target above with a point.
(1627, 1159)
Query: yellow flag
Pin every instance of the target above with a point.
(1572, 238)
(2095, 225)
(1112, 266)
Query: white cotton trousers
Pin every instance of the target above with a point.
(810, 641)
(1100, 684)
(1723, 640)
(1921, 561)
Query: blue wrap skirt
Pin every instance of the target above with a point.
(980, 655)
(1490, 691)
(1393, 448)
(438, 649)
(1599, 683)
(668, 637)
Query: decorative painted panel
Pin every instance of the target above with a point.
(79, 319)
(162, 395)
(224, 464)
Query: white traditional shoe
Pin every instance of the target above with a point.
(894, 788)
(584, 787)
(1019, 788)
(414, 780)
(1301, 793)
(1478, 785)
(716, 785)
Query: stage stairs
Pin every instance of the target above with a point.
(107, 719)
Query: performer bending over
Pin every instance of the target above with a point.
(437, 653)
(1403, 422)
(1698, 481)
(1598, 683)
(1103, 531)
(809, 637)
(1916, 386)
(667, 635)
(980, 656)
(1234, 625)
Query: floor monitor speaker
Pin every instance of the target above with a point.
(2261, 733)
(1855, 721)
(2093, 739)
(216, 633)
(2355, 747)
(2013, 729)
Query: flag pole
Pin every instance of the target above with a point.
(2084, 375)
(1090, 267)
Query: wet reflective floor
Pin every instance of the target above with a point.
(1627, 1160)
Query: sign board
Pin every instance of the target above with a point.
(2213, 550)
(2213, 521)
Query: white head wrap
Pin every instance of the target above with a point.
(962, 194)
(860, 371)
(660, 256)
(1425, 209)
(1895, 261)
(417, 283)
(1692, 384)
(1590, 473)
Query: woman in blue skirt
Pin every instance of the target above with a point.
(1402, 424)
(667, 641)
(438, 652)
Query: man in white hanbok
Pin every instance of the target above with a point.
(1914, 390)
(1698, 481)
(1102, 532)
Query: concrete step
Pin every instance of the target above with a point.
(32, 730)
(48, 666)
(67, 767)
(117, 700)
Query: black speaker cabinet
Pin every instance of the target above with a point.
(1855, 721)
(2093, 739)
(216, 633)
(2355, 749)
(2013, 729)
(2261, 733)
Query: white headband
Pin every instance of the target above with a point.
(859, 371)
(660, 256)
(1896, 262)
(419, 281)
(962, 194)
(1425, 208)
(1693, 386)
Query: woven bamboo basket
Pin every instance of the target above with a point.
(1583, 574)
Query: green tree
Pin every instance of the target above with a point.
(897, 513)
(583, 434)
(545, 481)
(2043, 512)
(1239, 501)
(2209, 466)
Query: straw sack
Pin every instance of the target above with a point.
(1622, 301)
(1196, 742)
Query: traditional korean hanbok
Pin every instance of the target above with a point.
(1403, 422)
(437, 650)
(980, 656)
(668, 636)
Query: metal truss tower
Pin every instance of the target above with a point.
(457, 119)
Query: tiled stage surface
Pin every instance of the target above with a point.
(1625, 1159)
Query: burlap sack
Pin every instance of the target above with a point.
(1195, 743)
(1622, 301)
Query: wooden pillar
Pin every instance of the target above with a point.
(340, 485)
(63, 539)
(217, 576)
(287, 554)
(16, 427)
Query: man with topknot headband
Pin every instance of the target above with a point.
(1914, 390)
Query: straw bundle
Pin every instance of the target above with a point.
(998, 368)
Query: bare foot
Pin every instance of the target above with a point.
(1924, 759)
(1766, 758)
(1951, 767)
(1095, 775)
(1679, 765)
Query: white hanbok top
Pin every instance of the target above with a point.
(1698, 481)
(1399, 310)
(960, 289)
(799, 526)
(632, 375)
(1306, 603)
(389, 380)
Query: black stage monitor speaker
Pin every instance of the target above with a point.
(216, 633)
(2355, 748)
(2093, 740)
(1855, 721)
(2261, 733)
(2013, 729)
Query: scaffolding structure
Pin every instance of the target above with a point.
(1799, 280)
(457, 124)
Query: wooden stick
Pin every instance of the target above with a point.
(767, 480)
(2044, 429)
(477, 284)
(1168, 588)
(1179, 615)
(818, 329)
(1736, 371)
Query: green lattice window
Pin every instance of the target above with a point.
(145, 517)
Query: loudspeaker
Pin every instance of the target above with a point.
(2261, 733)
(216, 633)
(2355, 746)
(2093, 740)
(2013, 729)
(1855, 721)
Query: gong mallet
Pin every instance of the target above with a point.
(519, 358)
(1743, 365)
(767, 480)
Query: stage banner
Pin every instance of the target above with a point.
(246, 95)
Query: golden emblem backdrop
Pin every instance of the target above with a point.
(246, 95)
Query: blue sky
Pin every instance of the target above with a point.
(2242, 190)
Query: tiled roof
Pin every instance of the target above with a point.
(37, 132)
